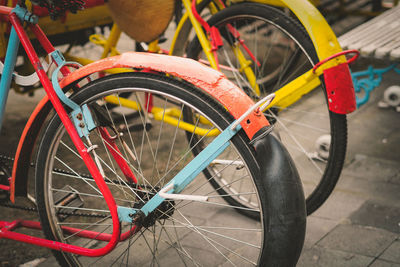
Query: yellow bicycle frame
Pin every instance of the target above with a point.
(322, 36)
(245, 65)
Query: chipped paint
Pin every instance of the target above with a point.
(209, 80)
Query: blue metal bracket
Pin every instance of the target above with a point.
(125, 214)
(81, 116)
(24, 15)
(187, 174)
(366, 81)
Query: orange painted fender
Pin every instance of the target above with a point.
(209, 80)
(22, 158)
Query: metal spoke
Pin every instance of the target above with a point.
(86, 228)
(205, 237)
(297, 142)
(173, 140)
(183, 157)
(67, 166)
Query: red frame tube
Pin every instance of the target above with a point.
(116, 153)
(78, 144)
(10, 226)
(48, 47)
(4, 187)
(346, 52)
(5, 10)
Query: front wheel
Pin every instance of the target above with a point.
(179, 232)
(281, 51)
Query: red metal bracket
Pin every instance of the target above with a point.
(351, 60)
(339, 85)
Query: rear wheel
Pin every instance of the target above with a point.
(183, 233)
(282, 51)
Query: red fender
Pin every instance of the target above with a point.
(211, 81)
(22, 159)
(340, 89)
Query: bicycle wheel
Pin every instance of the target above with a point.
(315, 137)
(183, 233)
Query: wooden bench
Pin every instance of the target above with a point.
(378, 37)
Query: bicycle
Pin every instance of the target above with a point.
(129, 197)
(314, 132)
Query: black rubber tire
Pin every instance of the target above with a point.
(337, 122)
(274, 250)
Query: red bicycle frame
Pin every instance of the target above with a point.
(235, 100)
(7, 227)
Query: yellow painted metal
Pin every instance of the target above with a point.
(111, 43)
(214, 7)
(154, 47)
(205, 44)
(177, 37)
(245, 66)
(123, 102)
(278, 3)
(244, 63)
(293, 91)
(87, 18)
(321, 34)
(3, 42)
(170, 116)
(326, 44)
(109, 48)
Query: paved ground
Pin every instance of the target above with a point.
(358, 226)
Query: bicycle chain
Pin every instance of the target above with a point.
(6, 203)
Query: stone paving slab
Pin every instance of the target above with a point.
(382, 263)
(358, 239)
(375, 214)
(365, 167)
(319, 256)
(340, 205)
(384, 192)
(393, 252)
(317, 228)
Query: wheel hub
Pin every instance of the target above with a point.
(164, 211)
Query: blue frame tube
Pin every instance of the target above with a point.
(6, 76)
(187, 174)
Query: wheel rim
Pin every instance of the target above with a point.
(182, 237)
(282, 59)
